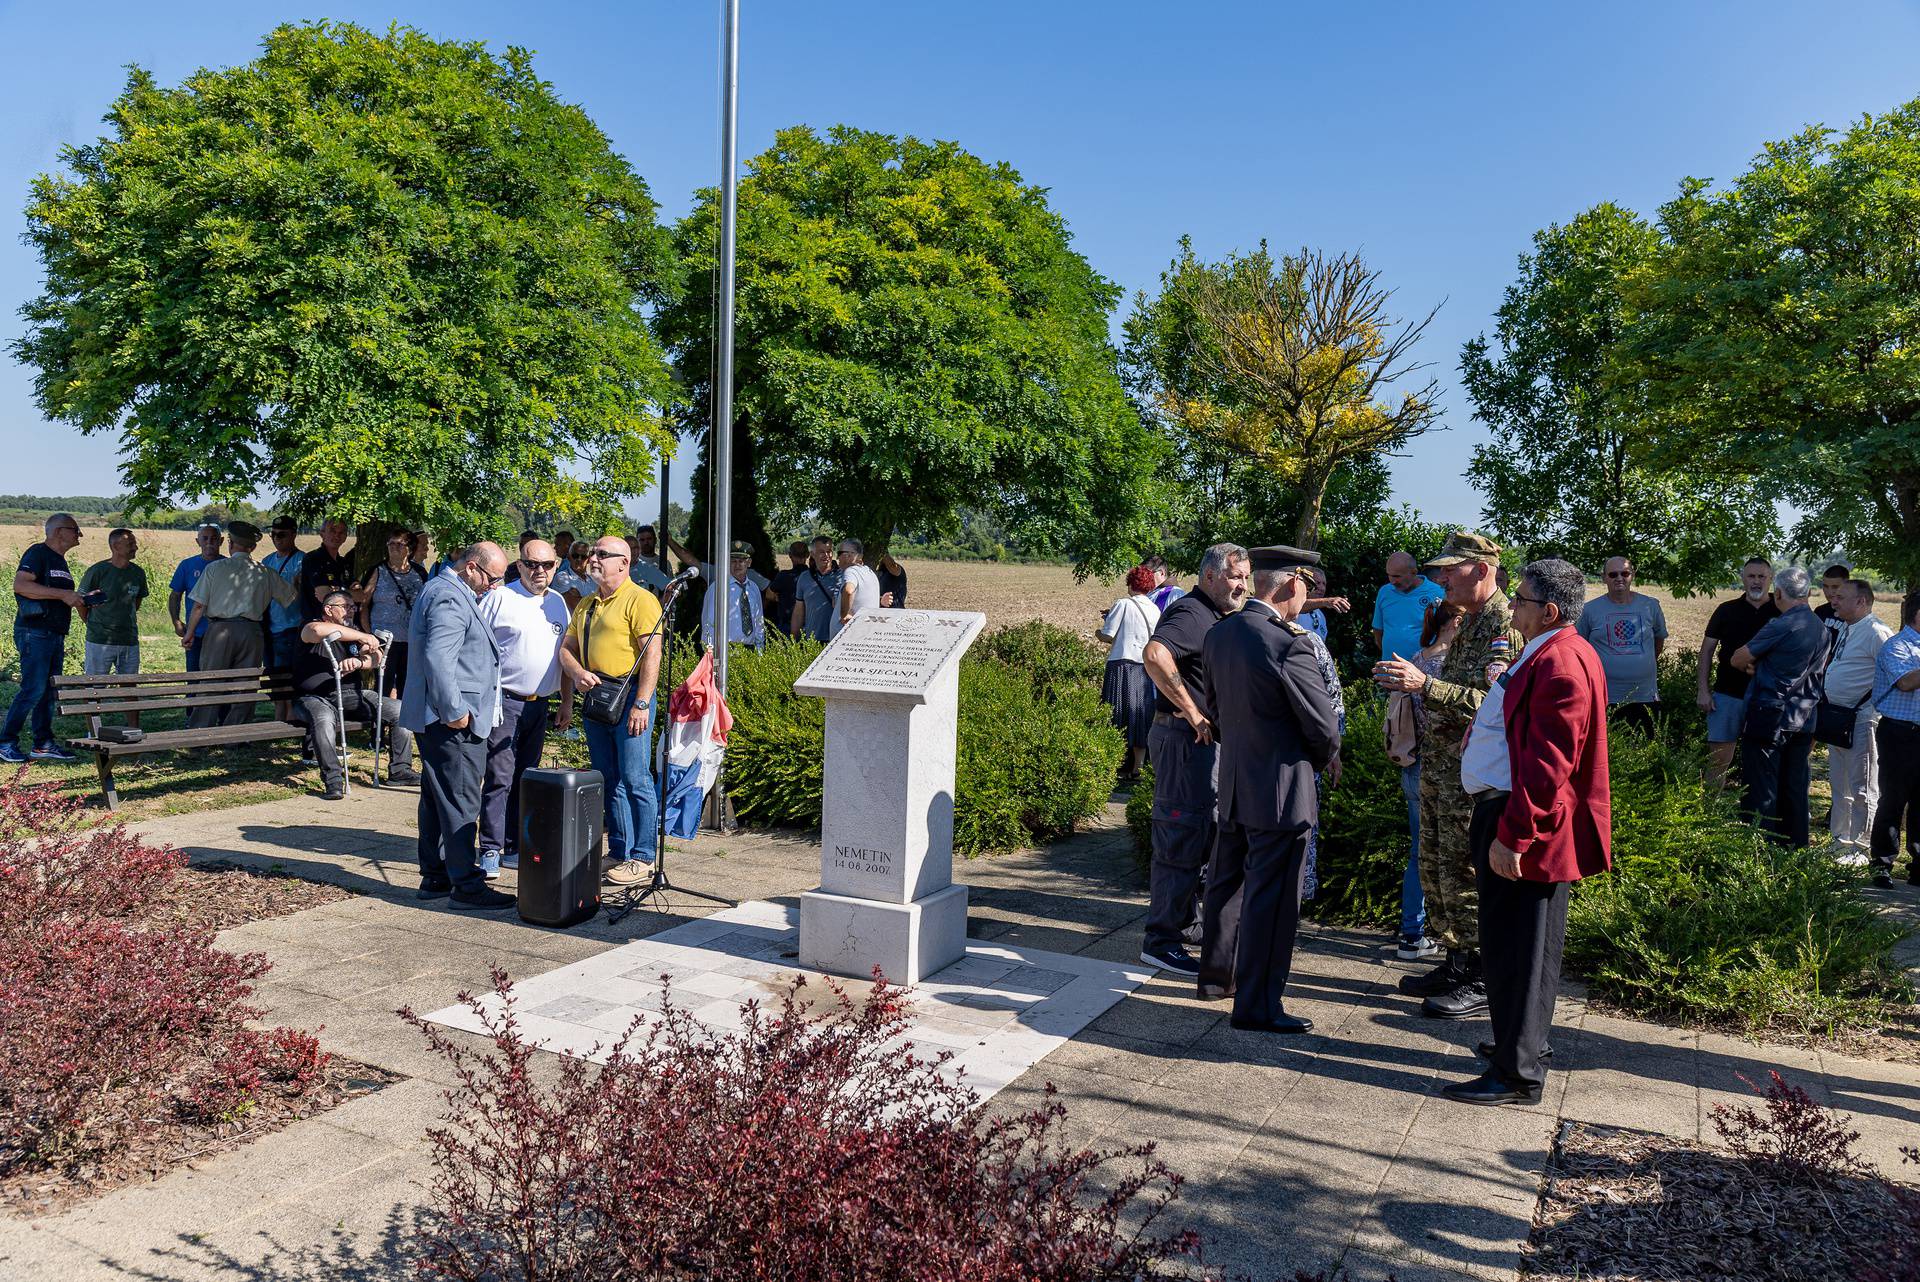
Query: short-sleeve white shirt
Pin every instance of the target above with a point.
(528, 634)
(1130, 623)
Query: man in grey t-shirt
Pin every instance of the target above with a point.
(1630, 632)
(816, 611)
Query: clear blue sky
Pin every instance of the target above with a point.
(1435, 138)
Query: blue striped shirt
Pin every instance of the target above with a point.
(1899, 656)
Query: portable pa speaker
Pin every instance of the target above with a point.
(562, 814)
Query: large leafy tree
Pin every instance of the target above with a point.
(1293, 364)
(1567, 472)
(1781, 334)
(915, 337)
(384, 276)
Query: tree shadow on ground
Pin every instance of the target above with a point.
(267, 1256)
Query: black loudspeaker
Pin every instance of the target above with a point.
(562, 817)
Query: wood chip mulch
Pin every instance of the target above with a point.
(1629, 1206)
(153, 1152)
(216, 893)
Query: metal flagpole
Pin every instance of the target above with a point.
(721, 455)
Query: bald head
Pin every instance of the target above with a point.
(538, 562)
(1403, 571)
(608, 563)
(482, 566)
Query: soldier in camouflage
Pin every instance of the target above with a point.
(1486, 646)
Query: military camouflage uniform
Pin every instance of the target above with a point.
(1486, 646)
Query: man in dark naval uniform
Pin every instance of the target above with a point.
(1181, 748)
(1276, 728)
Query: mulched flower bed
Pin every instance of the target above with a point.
(1628, 1206)
(168, 1142)
(217, 893)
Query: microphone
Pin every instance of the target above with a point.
(687, 575)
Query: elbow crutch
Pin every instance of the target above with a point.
(385, 638)
(339, 710)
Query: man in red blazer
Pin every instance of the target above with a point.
(1536, 765)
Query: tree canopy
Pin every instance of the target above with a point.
(1292, 364)
(382, 275)
(1778, 334)
(915, 337)
(1567, 472)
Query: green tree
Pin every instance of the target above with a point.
(385, 276)
(1291, 364)
(1568, 471)
(915, 336)
(1779, 334)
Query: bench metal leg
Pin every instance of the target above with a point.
(104, 764)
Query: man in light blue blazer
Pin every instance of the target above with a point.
(451, 702)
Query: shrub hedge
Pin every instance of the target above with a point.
(1037, 750)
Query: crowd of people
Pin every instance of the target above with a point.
(469, 659)
(1497, 711)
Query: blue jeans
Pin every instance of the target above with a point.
(41, 654)
(1413, 904)
(625, 763)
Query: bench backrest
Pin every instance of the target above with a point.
(91, 696)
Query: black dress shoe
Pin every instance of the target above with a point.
(1488, 1089)
(484, 898)
(1883, 882)
(1213, 992)
(1442, 978)
(1281, 1023)
(434, 888)
(1462, 1002)
(1485, 1051)
(404, 778)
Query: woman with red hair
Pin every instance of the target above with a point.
(1126, 687)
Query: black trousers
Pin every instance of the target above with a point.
(1637, 715)
(1252, 915)
(451, 765)
(513, 748)
(1778, 776)
(1899, 746)
(1523, 930)
(1184, 780)
(229, 643)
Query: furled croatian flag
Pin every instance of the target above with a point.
(697, 725)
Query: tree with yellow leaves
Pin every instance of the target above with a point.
(1293, 366)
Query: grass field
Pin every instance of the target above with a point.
(175, 782)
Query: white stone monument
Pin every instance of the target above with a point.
(891, 680)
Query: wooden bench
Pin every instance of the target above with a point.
(107, 696)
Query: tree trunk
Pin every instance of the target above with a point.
(1313, 490)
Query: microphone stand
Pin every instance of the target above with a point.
(659, 885)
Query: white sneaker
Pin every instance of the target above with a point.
(1851, 858)
(1417, 949)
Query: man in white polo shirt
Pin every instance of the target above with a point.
(528, 620)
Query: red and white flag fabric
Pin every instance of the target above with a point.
(698, 722)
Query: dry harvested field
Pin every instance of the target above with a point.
(1004, 593)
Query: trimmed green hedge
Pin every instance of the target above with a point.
(1037, 750)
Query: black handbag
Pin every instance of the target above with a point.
(606, 703)
(1834, 724)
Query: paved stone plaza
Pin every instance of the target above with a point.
(1299, 1153)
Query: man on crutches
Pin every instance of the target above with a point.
(331, 652)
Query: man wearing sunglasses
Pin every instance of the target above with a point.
(1629, 630)
(528, 619)
(608, 639)
(451, 703)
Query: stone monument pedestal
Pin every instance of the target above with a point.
(886, 899)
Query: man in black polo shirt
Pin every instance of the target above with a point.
(44, 601)
(1184, 755)
(1732, 625)
(325, 570)
(313, 685)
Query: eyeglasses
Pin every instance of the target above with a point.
(1619, 574)
(1519, 599)
(539, 565)
(598, 555)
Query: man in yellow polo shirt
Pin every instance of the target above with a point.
(613, 633)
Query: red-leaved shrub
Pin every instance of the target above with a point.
(106, 1022)
(1797, 1138)
(808, 1145)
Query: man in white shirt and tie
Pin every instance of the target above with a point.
(1853, 774)
(528, 619)
(746, 607)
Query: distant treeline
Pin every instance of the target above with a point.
(31, 509)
